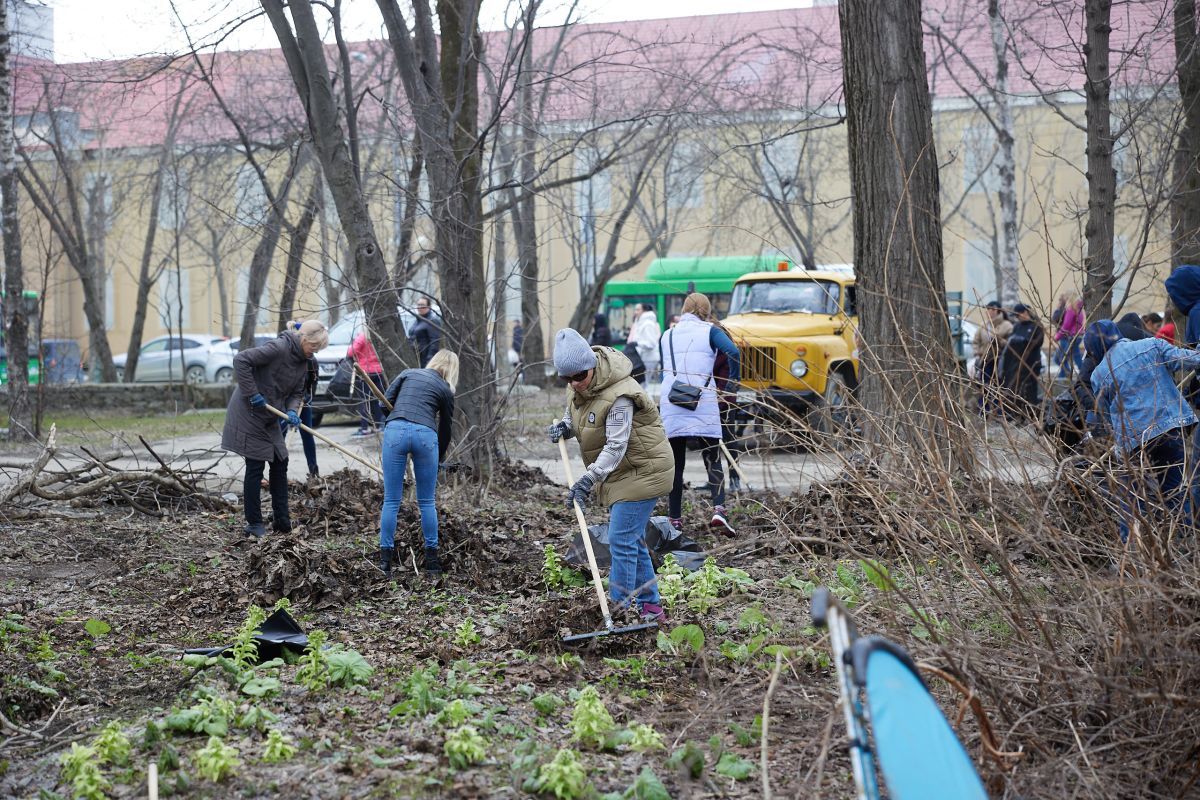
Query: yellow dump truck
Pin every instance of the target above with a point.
(795, 329)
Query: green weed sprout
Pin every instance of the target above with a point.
(464, 747)
(347, 668)
(112, 745)
(81, 769)
(454, 714)
(245, 649)
(465, 635)
(671, 577)
(216, 761)
(645, 738)
(278, 747)
(590, 720)
(557, 575)
(313, 673)
(564, 777)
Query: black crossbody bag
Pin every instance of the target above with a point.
(682, 394)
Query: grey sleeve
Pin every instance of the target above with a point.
(617, 427)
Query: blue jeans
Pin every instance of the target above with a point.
(1069, 353)
(306, 439)
(401, 439)
(631, 569)
(1166, 482)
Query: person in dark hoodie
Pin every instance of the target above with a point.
(601, 333)
(1132, 327)
(1021, 363)
(1183, 287)
(1137, 400)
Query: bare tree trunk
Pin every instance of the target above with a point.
(533, 346)
(295, 259)
(408, 221)
(305, 57)
(264, 252)
(897, 223)
(16, 323)
(1185, 202)
(1102, 178)
(1006, 163)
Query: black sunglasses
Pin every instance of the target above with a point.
(574, 378)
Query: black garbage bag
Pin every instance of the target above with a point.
(661, 539)
(278, 632)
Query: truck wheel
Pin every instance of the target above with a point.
(832, 417)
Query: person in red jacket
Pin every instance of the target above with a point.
(362, 352)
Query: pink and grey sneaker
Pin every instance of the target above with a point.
(676, 523)
(719, 522)
(652, 612)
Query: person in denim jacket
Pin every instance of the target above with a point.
(1138, 401)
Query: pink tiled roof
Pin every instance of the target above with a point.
(758, 61)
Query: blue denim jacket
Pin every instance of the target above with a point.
(1135, 393)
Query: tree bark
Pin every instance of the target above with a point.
(305, 58)
(1006, 163)
(295, 259)
(897, 226)
(1185, 203)
(1102, 178)
(264, 251)
(16, 323)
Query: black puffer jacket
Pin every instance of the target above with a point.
(423, 396)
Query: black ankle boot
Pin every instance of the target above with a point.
(433, 564)
(385, 560)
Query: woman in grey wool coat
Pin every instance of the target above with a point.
(275, 374)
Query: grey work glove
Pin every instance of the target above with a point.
(559, 430)
(581, 491)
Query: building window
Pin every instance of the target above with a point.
(979, 152)
(979, 273)
(685, 176)
(250, 201)
(172, 205)
(174, 297)
(777, 163)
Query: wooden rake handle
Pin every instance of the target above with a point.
(327, 441)
(587, 539)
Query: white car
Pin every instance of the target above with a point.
(220, 360)
(172, 358)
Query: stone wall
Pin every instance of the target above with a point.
(135, 399)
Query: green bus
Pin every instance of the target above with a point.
(669, 280)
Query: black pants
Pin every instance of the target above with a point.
(279, 493)
(711, 453)
(371, 410)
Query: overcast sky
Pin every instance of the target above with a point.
(101, 29)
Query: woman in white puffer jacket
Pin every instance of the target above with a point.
(687, 352)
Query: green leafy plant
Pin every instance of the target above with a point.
(96, 628)
(464, 747)
(465, 634)
(753, 620)
(547, 703)
(244, 651)
(261, 686)
(671, 577)
(705, 587)
(210, 715)
(564, 777)
(742, 652)
(590, 720)
(347, 668)
(455, 713)
(877, 574)
(568, 661)
(313, 673)
(80, 767)
(278, 747)
(645, 738)
(682, 640)
(689, 758)
(647, 786)
(112, 745)
(557, 575)
(216, 761)
(734, 766)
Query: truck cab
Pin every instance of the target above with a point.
(796, 332)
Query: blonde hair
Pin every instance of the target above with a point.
(445, 363)
(315, 333)
(698, 304)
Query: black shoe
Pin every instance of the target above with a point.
(281, 528)
(433, 564)
(386, 554)
(257, 530)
